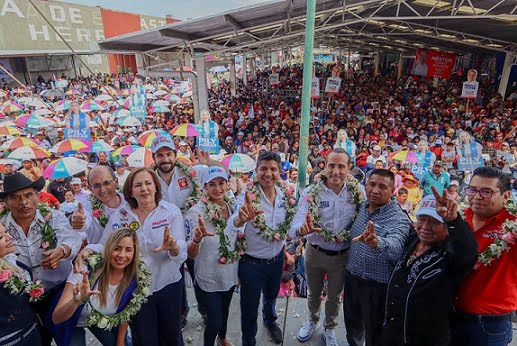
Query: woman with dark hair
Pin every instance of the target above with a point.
(160, 228)
(103, 290)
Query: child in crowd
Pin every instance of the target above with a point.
(402, 200)
(453, 190)
(287, 286)
(414, 192)
(69, 206)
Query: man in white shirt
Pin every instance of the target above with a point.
(260, 269)
(375, 156)
(49, 255)
(121, 173)
(80, 194)
(327, 251)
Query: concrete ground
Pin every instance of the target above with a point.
(297, 314)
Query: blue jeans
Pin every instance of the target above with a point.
(217, 307)
(104, 336)
(481, 332)
(258, 277)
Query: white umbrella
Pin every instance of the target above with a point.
(162, 103)
(187, 94)
(37, 104)
(42, 112)
(149, 87)
(16, 164)
(129, 121)
(103, 97)
(29, 153)
(160, 93)
(150, 96)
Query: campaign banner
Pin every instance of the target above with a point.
(210, 145)
(471, 86)
(333, 85)
(77, 133)
(315, 88)
(417, 170)
(470, 163)
(274, 79)
(433, 63)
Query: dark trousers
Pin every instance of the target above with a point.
(481, 331)
(393, 336)
(158, 322)
(258, 277)
(364, 310)
(42, 309)
(105, 337)
(200, 303)
(217, 305)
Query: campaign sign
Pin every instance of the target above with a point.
(418, 171)
(470, 90)
(315, 88)
(333, 85)
(78, 133)
(211, 145)
(470, 163)
(274, 79)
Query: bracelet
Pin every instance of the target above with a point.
(195, 242)
(64, 251)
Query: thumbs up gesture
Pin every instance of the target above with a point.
(369, 236)
(247, 212)
(169, 243)
(78, 218)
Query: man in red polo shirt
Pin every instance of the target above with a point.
(488, 296)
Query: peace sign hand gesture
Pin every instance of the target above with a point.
(446, 206)
(82, 290)
(200, 232)
(369, 236)
(169, 243)
(308, 227)
(247, 212)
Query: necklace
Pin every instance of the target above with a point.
(413, 256)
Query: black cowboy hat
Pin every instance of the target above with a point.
(18, 181)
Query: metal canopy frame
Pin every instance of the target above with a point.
(358, 25)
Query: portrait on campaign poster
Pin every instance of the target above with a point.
(433, 64)
(471, 86)
(334, 82)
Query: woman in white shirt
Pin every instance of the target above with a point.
(213, 246)
(160, 228)
(114, 282)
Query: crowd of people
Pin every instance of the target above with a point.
(390, 227)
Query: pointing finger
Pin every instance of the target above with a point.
(247, 198)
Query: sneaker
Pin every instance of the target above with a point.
(306, 330)
(329, 336)
(275, 333)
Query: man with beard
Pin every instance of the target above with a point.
(260, 269)
(380, 232)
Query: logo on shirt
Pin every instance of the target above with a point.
(123, 212)
(160, 223)
(134, 226)
(490, 234)
(324, 204)
(183, 183)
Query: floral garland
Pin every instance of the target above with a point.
(140, 295)
(213, 213)
(48, 233)
(98, 210)
(503, 240)
(313, 199)
(268, 233)
(190, 174)
(17, 285)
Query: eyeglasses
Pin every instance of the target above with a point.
(104, 184)
(483, 192)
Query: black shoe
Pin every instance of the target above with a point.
(275, 333)
(183, 322)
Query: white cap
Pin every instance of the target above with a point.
(215, 172)
(75, 181)
(376, 147)
(428, 207)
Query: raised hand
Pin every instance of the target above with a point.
(82, 291)
(200, 231)
(369, 236)
(169, 243)
(52, 258)
(248, 212)
(203, 157)
(446, 206)
(79, 260)
(78, 219)
(308, 226)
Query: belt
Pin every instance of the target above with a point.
(252, 259)
(24, 335)
(473, 317)
(328, 252)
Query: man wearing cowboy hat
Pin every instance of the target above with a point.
(45, 243)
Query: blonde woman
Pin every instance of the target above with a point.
(18, 320)
(103, 289)
(75, 119)
(426, 157)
